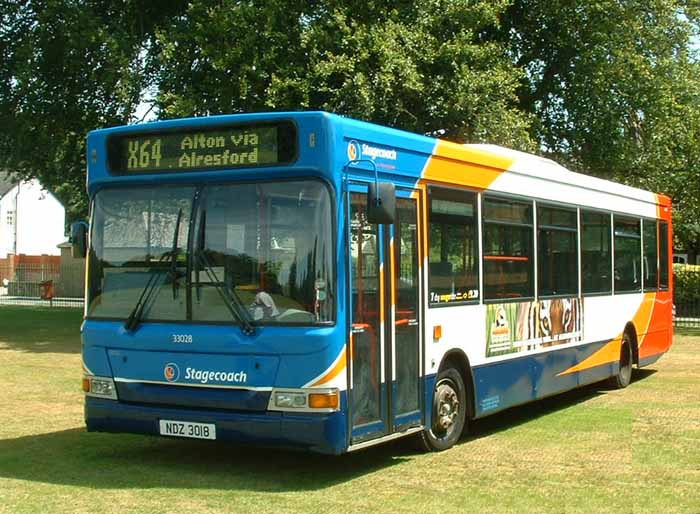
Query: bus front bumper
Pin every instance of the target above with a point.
(322, 433)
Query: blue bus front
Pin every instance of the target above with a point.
(212, 304)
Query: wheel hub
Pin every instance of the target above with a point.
(447, 407)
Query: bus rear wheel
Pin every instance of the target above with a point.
(449, 412)
(624, 375)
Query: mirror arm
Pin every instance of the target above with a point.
(374, 168)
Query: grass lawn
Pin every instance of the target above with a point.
(591, 450)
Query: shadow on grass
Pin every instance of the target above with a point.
(121, 461)
(40, 330)
(125, 461)
(515, 416)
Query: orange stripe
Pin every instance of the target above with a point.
(418, 195)
(607, 354)
(333, 372)
(423, 218)
(659, 334)
(643, 317)
(663, 207)
(459, 164)
(610, 352)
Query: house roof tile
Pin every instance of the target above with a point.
(6, 182)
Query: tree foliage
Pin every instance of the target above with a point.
(68, 66)
(422, 66)
(607, 87)
(613, 87)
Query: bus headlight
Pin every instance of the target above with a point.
(288, 399)
(304, 400)
(99, 387)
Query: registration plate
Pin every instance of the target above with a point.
(187, 429)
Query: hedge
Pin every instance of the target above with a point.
(686, 283)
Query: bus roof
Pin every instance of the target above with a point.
(535, 165)
(419, 156)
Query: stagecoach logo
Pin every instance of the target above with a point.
(357, 151)
(171, 372)
(353, 150)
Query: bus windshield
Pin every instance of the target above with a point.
(194, 250)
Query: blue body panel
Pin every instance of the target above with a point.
(323, 433)
(646, 361)
(519, 380)
(287, 357)
(273, 357)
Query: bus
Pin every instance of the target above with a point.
(306, 280)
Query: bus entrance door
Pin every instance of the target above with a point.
(385, 347)
(405, 316)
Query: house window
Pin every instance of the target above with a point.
(10, 217)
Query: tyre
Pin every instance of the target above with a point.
(449, 412)
(624, 375)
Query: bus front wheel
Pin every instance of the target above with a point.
(624, 375)
(449, 412)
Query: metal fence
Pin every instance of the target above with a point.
(55, 285)
(686, 314)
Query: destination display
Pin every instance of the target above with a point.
(205, 149)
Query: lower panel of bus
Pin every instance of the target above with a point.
(323, 433)
(516, 381)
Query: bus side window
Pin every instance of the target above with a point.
(454, 250)
(663, 255)
(557, 259)
(628, 250)
(650, 242)
(508, 249)
(596, 264)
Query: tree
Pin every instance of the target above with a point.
(67, 67)
(422, 66)
(606, 87)
(613, 88)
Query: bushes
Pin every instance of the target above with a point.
(686, 284)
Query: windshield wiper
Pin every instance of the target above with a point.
(228, 294)
(145, 297)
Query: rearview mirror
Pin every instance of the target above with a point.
(78, 239)
(381, 203)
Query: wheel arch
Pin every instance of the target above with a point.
(457, 359)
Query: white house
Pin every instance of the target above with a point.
(32, 220)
